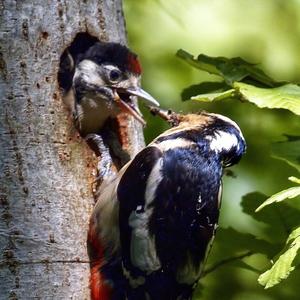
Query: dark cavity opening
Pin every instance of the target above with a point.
(80, 44)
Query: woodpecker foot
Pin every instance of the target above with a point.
(105, 163)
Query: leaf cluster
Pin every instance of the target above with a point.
(245, 81)
(241, 80)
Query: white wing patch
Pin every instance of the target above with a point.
(87, 70)
(153, 181)
(142, 247)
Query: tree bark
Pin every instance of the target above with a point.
(46, 170)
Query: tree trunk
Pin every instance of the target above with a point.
(46, 170)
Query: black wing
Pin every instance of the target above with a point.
(165, 231)
(131, 196)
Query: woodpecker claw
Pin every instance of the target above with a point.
(105, 164)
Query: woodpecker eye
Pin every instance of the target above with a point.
(114, 75)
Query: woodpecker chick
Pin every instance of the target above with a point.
(105, 81)
(153, 224)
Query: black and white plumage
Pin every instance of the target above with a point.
(156, 220)
(104, 80)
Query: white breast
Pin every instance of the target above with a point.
(92, 114)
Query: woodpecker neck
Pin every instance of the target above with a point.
(92, 114)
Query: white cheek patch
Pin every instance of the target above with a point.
(222, 141)
(88, 71)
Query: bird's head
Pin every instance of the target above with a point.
(216, 133)
(112, 73)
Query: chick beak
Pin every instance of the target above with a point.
(123, 99)
(147, 98)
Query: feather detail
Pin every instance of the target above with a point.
(100, 290)
(134, 64)
(155, 222)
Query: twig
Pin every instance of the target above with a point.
(226, 261)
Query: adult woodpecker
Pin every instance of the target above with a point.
(101, 81)
(154, 222)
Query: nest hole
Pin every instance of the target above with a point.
(81, 43)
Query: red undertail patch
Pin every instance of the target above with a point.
(100, 290)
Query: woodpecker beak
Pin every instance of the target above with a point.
(123, 99)
(147, 98)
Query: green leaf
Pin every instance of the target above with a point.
(203, 88)
(229, 241)
(286, 96)
(280, 196)
(231, 247)
(280, 219)
(289, 151)
(189, 58)
(231, 69)
(234, 69)
(294, 179)
(294, 235)
(214, 96)
(292, 138)
(270, 217)
(283, 266)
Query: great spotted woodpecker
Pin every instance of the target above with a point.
(154, 222)
(101, 80)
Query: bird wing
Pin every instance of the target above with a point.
(167, 217)
(133, 194)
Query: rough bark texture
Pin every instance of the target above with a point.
(46, 170)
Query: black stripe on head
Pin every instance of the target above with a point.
(114, 54)
(131, 192)
(191, 135)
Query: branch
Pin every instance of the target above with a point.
(226, 261)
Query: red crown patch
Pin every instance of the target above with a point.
(134, 64)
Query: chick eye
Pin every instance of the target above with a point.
(114, 75)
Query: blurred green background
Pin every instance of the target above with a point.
(261, 31)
